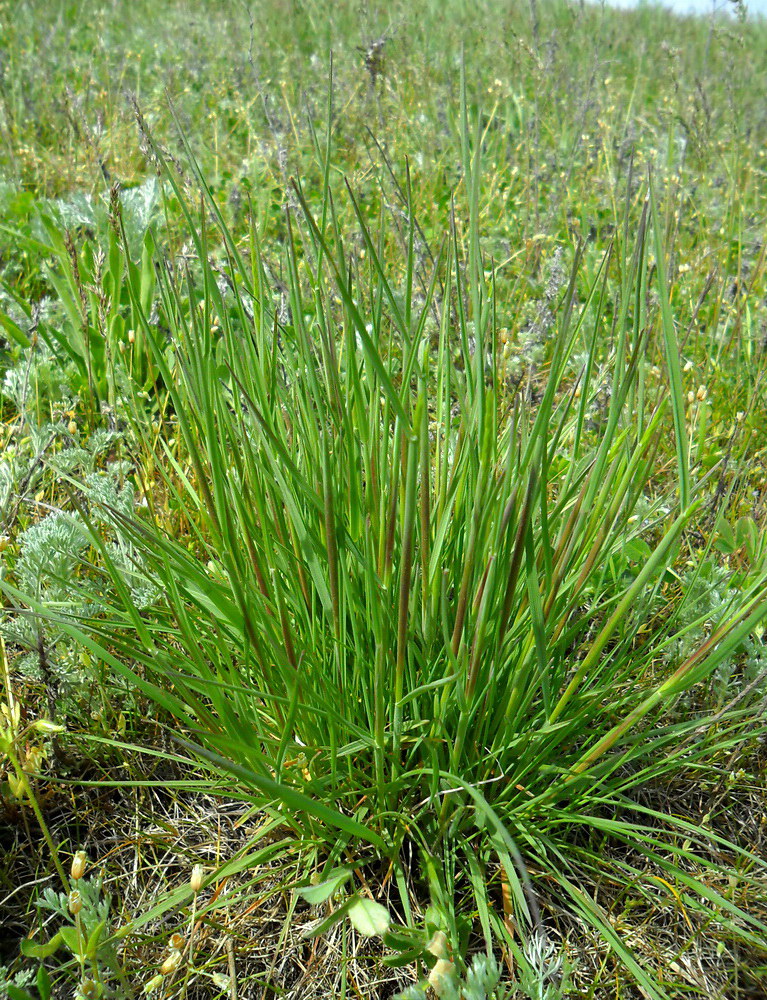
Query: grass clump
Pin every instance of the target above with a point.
(418, 613)
(428, 510)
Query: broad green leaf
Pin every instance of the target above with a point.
(368, 917)
(32, 950)
(315, 894)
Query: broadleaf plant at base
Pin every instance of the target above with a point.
(391, 607)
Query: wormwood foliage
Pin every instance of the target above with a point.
(417, 613)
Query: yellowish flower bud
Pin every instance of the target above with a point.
(442, 977)
(11, 714)
(131, 336)
(75, 903)
(171, 963)
(690, 397)
(438, 945)
(701, 393)
(79, 861)
(16, 786)
(49, 728)
(196, 880)
(33, 760)
(72, 427)
(177, 942)
(153, 984)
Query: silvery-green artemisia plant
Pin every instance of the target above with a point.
(393, 615)
(91, 247)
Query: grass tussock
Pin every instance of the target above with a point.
(425, 528)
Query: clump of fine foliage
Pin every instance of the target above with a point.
(418, 612)
(409, 476)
